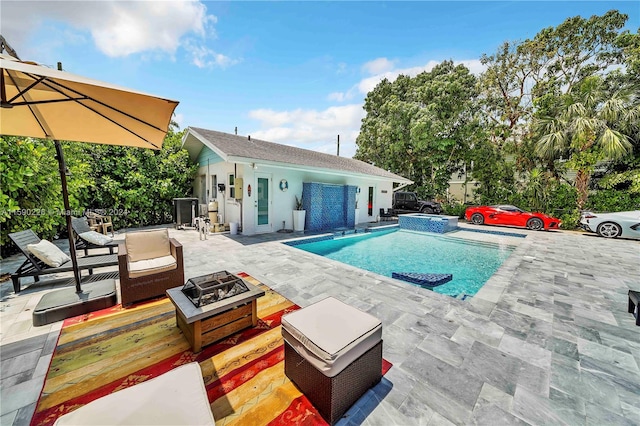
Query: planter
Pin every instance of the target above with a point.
(298, 220)
(357, 216)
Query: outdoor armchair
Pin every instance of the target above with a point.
(49, 259)
(150, 263)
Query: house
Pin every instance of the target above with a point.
(254, 183)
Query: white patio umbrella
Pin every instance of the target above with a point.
(41, 102)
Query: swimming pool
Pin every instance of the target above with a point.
(470, 262)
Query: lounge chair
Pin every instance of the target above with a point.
(81, 228)
(150, 263)
(385, 216)
(34, 266)
(100, 223)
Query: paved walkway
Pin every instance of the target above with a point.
(547, 340)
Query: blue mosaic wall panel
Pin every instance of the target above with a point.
(328, 206)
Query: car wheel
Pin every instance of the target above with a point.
(609, 230)
(477, 219)
(426, 210)
(535, 224)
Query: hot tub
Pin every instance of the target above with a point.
(428, 222)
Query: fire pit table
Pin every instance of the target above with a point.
(214, 306)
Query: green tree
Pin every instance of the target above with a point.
(584, 131)
(30, 190)
(420, 127)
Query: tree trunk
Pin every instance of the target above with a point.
(582, 186)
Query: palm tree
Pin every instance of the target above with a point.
(587, 130)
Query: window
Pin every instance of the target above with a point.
(232, 188)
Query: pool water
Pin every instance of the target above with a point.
(470, 262)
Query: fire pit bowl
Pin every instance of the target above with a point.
(213, 287)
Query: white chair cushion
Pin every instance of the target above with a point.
(49, 253)
(96, 238)
(331, 334)
(152, 266)
(178, 397)
(143, 245)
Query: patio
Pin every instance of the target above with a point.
(547, 340)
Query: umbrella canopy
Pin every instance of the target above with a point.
(45, 103)
(39, 102)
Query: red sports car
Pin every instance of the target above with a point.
(510, 216)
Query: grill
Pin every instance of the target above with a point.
(213, 288)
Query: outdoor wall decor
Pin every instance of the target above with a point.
(328, 206)
(284, 185)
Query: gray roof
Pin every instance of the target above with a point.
(255, 149)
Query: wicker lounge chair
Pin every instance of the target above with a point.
(80, 227)
(150, 263)
(34, 267)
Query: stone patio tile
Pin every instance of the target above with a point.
(630, 404)
(438, 420)
(608, 355)
(19, 364)
(398, 343)
(532, 354)
(456, 384)
(535, 379)
(611, 374)
(494, 396)
(598, 416)
(401, 382)
(426, 397)
(565, 348)
(20, 395)
(493, 366)
(538, 410)
(563, 401)
(444, 349)
(490, 414)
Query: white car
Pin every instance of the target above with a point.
(612, 225)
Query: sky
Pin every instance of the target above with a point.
(295, 73)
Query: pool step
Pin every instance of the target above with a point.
(424, 280)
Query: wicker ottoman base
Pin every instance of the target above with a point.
(332, 396)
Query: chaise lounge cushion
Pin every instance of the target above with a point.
(96, 238)
(331, 334)
(142, 268)
(177, 397)
(49, 253)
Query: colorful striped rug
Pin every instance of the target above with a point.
(109, 350)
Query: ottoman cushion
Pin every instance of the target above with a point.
(331, 334)
(177, 397)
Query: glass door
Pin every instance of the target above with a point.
(263, 203)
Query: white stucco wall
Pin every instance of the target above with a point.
(282, 202)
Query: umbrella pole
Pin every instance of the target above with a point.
(67, 213)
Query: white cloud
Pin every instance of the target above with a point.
(121, 28)
(203, 57)
(367, 84)
(377, 66)
(318, 130)
(311, 129)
